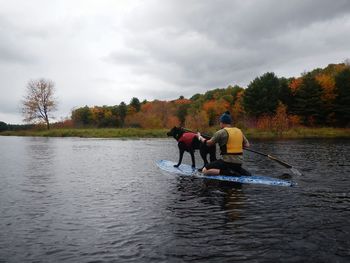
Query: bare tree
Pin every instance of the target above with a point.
(39, 102)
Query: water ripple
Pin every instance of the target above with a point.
(87, 200)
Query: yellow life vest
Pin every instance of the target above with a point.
(234, 142)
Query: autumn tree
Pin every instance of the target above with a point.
(238, 112)
(82, 116)
(328, 95)
(197, 121)
(39, 102)
(214, 108)
(280, 121)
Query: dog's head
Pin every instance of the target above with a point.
(176, 132)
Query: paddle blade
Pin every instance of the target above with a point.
(280, 161)
(292, 169)
(295, 171)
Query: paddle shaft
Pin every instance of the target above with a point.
(249, 150)
(270, 157)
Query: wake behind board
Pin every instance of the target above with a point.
(187, 170)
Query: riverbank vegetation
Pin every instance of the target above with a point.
(316, 104)
(90, 132)
(296, 133)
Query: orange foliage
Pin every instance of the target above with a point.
(172, 121)
(97, 114)
(340, 67)
(214, 108)
(147, 107)
(238, 109)
(151, 122)
(295, 84)
(218, 106)
(63, 124)
(209, 105)
(182, 101)
(264, 122)
(197, 121)
(131, 110)
(294, 120)
(280, 121)
(162, 110)
(142, 120)
(327, 83)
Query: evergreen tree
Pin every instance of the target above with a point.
(82, 116)
(135, 103)
(122, 110)
(261, 96)
(342, 101)
(195, 97)
(285, 94)
(115, 115)
(3, 126)
(308, 104)
(181, 113)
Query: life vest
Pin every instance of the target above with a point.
(234, 143)
(187, 139)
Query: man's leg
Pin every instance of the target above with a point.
(214, 168)
(211, 171)
(234, 170)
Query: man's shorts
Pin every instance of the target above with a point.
(227, 168)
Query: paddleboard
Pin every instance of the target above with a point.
(187, 170)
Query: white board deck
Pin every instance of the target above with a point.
(187, 170)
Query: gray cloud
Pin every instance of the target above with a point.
(12, 51)
(215, 43)
(107, 52)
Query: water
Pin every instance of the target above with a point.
(94, 200)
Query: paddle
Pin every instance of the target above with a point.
(293, 170)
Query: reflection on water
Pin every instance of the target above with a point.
(70, 199)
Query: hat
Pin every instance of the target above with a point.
(226, 118)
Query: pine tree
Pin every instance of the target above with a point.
(261, 96)
(308, 102)
(342, 101)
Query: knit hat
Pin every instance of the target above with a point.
(226, 118)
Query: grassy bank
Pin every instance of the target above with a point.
(299, 133)
(92, 133)
(296, 133)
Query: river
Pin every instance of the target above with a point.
(104, 200)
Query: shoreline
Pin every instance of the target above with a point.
(295, 133)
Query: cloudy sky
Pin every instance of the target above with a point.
(101, 52)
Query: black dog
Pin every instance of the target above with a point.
(188, 141)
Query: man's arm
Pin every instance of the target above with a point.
(209, 142)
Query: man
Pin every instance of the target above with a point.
(231, 141)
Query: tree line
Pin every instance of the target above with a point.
(317, 98)
(320, 97)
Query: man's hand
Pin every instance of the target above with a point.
(200, 137)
